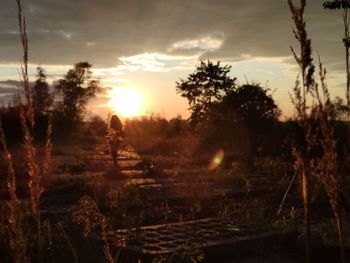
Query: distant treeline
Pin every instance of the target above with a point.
(157, 135)
(64, 108)
(243, 120)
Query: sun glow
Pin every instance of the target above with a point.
(125, 101)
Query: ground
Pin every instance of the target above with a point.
(153, 189)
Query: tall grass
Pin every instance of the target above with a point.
(18, 239)
(89, 216)
(318, 156)
(36, 169)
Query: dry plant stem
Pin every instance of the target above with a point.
(314, 119)
(24, 64)
(34, 183)
(306, 198)
(27, 122)
(328, 172)
(18, 242)
(90, 217)
(69, 242)
(305, 63)
(286, 193)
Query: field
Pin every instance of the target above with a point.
(235, 181)
(151, 190)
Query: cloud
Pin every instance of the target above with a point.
(7, 94)
(65, 31)
(209, 42)
(122, 39)
(155, 62)
(6, 91)
(11, 83)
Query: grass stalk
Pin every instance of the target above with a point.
(318, 157)
(35, 170)
(18, 243)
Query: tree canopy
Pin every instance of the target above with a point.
(235, 117)
(336, 4)
(207, 85)
(76, 89)
(42, 99)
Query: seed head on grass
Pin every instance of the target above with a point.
(89, 216)
(318, 156)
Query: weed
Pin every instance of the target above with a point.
(318, 156)
(184, 254)
(89, 216)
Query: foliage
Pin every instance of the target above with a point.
(42, 99)
(183, 254)
(208, 84)
(125, 204)
(253, 105)
(155, 134)
(318, 156)
(288, 222)
(35, 168)
(89, 216)
(96, 126)
(244, 120)
(336, 4)
(76, 89)
(226, 115)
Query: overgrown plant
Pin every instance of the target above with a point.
(184, 254)
(89, 216)
(318, 156)
(17, 235)
(36, 170)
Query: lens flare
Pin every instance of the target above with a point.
(216, 160)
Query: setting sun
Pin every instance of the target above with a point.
(125, 101)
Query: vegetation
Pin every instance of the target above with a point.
(208, 85)
(318, 156)
(228, 115)
(42, 99)
(76, 89)
(67, 202)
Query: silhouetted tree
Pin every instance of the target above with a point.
(243, 121)
(336, 4)
(76, 89)
(42, 99)
(207, 85)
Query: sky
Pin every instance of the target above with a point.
(148, 45)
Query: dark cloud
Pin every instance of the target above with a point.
(7, 94)
(6, 90)
(11, 83)
(66, 31)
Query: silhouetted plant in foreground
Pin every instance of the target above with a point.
(36, 170)
(184, 254)
(90, 217)
(318, 156)
(17, 237)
